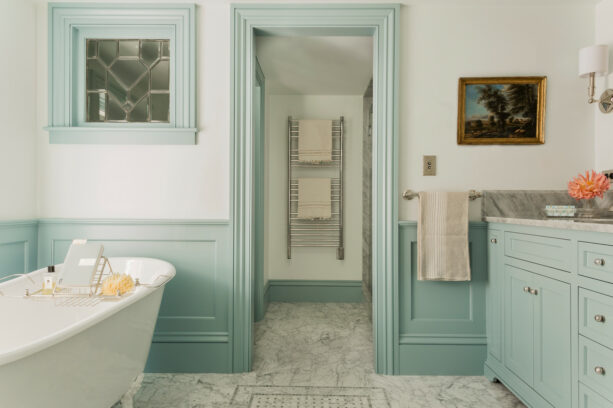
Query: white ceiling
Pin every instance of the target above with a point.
(334, 65)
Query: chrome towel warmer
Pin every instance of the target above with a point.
(315, 233)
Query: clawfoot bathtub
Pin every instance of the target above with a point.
(55, 353)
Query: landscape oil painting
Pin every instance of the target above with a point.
(507, 110)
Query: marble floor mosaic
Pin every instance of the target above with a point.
(301, 348)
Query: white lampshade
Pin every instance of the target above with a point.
(594, 59)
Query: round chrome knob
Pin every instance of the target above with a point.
(494, 241)
(599, 370)
(599, 318)
(534, 291)
(599, 261)
(526, 289)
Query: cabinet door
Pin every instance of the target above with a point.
(552, 334)
(494, 294)
(519, 323)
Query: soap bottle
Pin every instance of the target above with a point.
(49, 280)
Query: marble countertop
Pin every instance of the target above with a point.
(569, 224)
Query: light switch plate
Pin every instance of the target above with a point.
(429, 165)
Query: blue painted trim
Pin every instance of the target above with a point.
(190, 357)
(315, 291)
(259, 122)
(122, 136)
(383, 22)
(191, 337)
(111, 221)
(70, 23)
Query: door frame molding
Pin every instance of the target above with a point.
(381, 21)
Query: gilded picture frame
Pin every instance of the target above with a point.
(502, 110)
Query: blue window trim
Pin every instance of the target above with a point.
(71, 23)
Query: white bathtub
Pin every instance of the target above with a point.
(77, 356)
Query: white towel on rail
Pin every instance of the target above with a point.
(442, 237)
(314, 141)
(314, 198)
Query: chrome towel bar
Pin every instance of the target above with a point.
(410, 194)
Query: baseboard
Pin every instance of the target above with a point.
(189, 358)
(441, 359)
(314, 291)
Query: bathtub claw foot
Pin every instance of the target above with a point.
(127, 401)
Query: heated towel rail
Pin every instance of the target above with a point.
(317, 232)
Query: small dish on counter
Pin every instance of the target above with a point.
(560, 211)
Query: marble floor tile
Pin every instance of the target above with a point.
(318, 345)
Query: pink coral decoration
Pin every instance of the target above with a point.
(588, 186)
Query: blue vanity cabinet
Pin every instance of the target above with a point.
(518, 323)
(493, 294)
(550, 315)
(552, 340)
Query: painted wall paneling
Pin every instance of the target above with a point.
(193, 332)
(441, 324)
(18, 246)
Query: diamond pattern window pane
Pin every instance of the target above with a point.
(120, 78)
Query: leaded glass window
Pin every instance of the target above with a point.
(128, 80)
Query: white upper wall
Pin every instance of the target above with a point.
(316, 65)
(184, 182)
(604, 123)
(18, 110)
(440, 42)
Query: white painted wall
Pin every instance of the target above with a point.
(17, 110)
(185, 182)
(440, 41)
(441, 44)
(312, 263)
(604, 123)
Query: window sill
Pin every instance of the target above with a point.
(122, 136)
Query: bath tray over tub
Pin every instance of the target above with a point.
(81, 278)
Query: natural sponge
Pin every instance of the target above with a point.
(117, 282)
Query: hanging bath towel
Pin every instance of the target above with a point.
(314, 141)
(314, 199)
(442, 237)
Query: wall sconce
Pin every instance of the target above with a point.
(594, 61)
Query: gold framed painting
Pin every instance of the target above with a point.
(503, 110)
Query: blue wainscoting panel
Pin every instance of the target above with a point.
(18, 246)
(314, 291)
(441, 324)
(192, 332)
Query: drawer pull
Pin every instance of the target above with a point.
(599, 370)
(534, 292)
(599, 318)
(494, 241)
(599, 261)
(527, 289)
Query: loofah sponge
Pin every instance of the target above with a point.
(117, 282)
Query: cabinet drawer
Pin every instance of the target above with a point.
(590, 399)
(596, 317)
(596, 261)
(547, 251)
(596, 367)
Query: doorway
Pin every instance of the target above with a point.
(381, 23)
